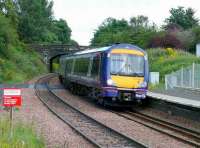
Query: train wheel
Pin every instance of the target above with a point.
(145, 102)
(101, 101)
(61, 79)
(73, 89)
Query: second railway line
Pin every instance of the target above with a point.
(181, 134)
(95, 132)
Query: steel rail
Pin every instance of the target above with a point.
(180, 133)
(109, 134)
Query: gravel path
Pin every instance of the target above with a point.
(194, 125)
(132, 129)
(55, 133)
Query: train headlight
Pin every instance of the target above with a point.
(143, 84)
(110, 82)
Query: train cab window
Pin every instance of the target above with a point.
(95, 67)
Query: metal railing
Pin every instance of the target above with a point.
(188, 77)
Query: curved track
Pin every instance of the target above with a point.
(95, 132)
(180, 133)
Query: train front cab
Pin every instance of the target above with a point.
(126, 77)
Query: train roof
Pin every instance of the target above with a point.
(93, 50)
(115, 46)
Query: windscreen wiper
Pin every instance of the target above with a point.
(137, 74)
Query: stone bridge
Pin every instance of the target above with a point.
(50, 51)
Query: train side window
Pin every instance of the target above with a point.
(81, 66)
(76, 65)
(69, 64)
(90, 67)
(73, 64)
(95, 67)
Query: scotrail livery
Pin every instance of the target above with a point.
(113, 75)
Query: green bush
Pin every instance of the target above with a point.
(21, 65)
(168, 60)
(8, 35)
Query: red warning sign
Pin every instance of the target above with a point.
(12, 97)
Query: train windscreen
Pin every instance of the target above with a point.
(127, 64)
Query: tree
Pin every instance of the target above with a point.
(74, 43)
(138, 31)
(182, 17)
(9, 9)
(111, 31)
(139, 21)
(35, 18)
(8, 35)
(61, 30)
(164, 39)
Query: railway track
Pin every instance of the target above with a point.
(180, 133)
(95, 132)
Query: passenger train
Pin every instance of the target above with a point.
(116, 75)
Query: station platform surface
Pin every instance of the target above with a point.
(178, 96)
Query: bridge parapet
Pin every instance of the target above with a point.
(51, 50)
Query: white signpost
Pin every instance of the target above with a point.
(154, 78)
(198, 50)
(11, 97)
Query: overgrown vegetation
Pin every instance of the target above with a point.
(17, 63)
(167, 60)
(34, 21)
(180, 30)
(23, 136)
(27, 21)
(21, 65)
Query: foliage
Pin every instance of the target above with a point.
(23, 136)
(8, 8)
(61, 30)
(168, 60)
(171, 52)
(111, 31)
(21, 65)
(181, 31)
(182, 17)
(165, 40)
(187, 39)
(73, 43)
(8, 35)
(196, 36)
(17, 64)
(139, 21)
(34, 19)
(137, 31)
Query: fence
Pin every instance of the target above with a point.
(185, 77)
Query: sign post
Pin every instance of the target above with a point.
(11, 120)
(11, 98)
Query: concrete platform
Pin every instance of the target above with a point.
(185, 100)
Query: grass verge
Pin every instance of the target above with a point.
(20, 64)
(166, 61)
(23, 136)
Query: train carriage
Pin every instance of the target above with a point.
(114, 75)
